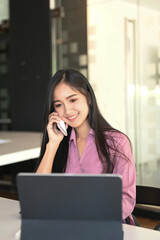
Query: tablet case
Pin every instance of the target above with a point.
(70, 207)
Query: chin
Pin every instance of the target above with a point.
(74, 125)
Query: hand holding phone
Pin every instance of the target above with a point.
(62, 127)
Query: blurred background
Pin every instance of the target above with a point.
(114, 43)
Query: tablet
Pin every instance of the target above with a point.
(66, 207)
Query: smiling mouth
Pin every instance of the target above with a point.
(72, 118)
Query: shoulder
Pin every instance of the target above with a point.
(120, 146)
(117, 138)
(116, 135)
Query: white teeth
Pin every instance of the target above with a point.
(73, 116)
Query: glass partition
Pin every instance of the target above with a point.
(149, 81)
(5, 116)
(124, 69)
(120, 54)
(69, 35)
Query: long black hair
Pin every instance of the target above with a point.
(78, 81)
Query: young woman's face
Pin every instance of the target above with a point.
(71, 105)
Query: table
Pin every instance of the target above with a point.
(19, 146)
(10, 224)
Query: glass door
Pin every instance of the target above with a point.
(124, 69)
(149, 81)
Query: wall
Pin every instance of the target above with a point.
(30, 62)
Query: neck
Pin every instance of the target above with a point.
(82, 131)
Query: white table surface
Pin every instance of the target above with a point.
(10, 223)
(19, 146)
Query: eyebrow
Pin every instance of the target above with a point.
(73, 95)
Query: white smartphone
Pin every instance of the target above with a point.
(62, 127)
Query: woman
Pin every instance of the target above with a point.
(92, 144)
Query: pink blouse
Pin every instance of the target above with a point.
(90, 163)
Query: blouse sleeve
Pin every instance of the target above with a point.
(125, 167)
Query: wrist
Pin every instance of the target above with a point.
(53, 144)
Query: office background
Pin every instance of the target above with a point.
(116, 44)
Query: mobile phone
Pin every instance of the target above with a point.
(62, 127)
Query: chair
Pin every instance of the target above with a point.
(148, 203)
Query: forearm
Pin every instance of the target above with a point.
(46, 163)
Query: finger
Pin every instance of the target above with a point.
(55, 118)
(56, 130)
(52, 122)
(52, 114)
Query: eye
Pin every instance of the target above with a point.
(73, 100)
(57, 105)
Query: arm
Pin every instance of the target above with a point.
(48, 158)
(126, 168)
(55, 137)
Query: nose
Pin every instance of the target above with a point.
(67, 109)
